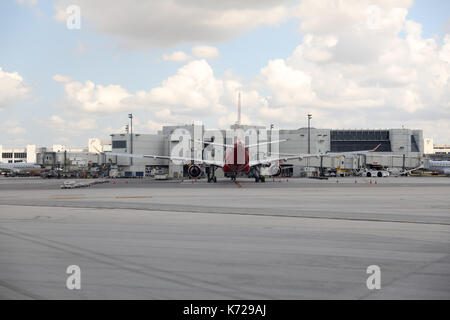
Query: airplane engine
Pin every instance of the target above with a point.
(194, 171)
(275, 170)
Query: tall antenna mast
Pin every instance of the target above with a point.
(239, 109)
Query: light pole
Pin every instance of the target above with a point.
(309, 132)
(270, 146)
(130, 115)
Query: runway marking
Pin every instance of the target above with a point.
(67, 198)
(135, 267)
(20, 291)
(205, 211)
(135, 197)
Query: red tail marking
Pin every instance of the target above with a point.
(376, 147)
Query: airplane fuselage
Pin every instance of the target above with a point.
(237, 159)
(20, 167)
(440, 166)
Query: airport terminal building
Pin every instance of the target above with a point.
(405, 146)
(399, 148)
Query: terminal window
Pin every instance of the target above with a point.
(414, 147)
(20, 155)
(352, 140)
(119, 144)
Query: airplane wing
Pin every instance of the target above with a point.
(282, 158)
(151, 156)
(308, 155)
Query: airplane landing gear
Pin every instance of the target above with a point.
(211, 174)
(258, 176)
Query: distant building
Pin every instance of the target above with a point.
(62, 156)
(18, 154)
(62, 148)
(56, 155)
(431, 148)
(96, 145)
(442, 148)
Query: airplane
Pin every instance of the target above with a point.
(441, 166)
(231, 165)
(21, 167)
(438, 166)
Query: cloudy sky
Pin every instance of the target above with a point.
(351, 63)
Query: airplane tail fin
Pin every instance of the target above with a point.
(374, 149)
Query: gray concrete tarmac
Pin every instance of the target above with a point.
(284, 239)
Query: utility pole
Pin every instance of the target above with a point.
(270, 146)
(130, 115)
(239, 109)
(309, 132)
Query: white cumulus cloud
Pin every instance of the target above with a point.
(177, 56)
(192, 93)
(12, 88)
(91, 97)
(206, 52)
(170, 22)
(71, 126)
(361, 64)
